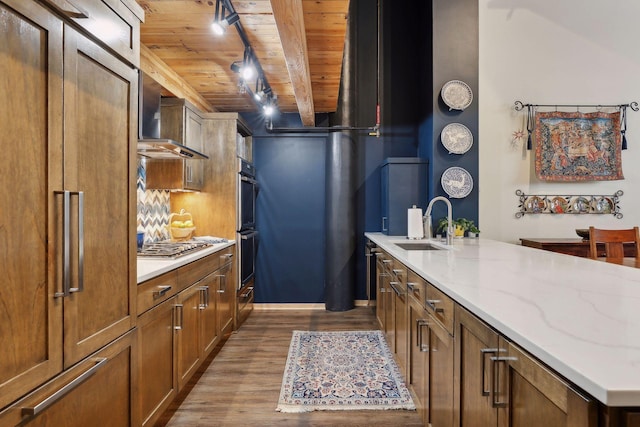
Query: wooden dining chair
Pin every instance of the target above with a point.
(614, 241)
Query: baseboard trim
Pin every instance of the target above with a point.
(303, 306)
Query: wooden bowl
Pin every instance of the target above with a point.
(583, 232)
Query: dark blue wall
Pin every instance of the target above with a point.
(450, 52)
(290, 169)
(416, 60)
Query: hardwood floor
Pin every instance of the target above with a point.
(240, 386)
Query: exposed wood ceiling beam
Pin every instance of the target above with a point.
(289, 18)
(170, 80)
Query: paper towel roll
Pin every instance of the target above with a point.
(414, 223)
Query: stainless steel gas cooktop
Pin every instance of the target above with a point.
(171, 250)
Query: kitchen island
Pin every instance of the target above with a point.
(578, 316)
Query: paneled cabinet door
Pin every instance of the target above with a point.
(441, 375)
(226, 298)
(188, 333)
(194, 169)
(527, 393)
(158, 379)
(380, 290)
(476, 344)
(209, 322)
(401, 324)
(431, 367)
(99, 171)
(501, 385)
(30, 217)
(418, 357)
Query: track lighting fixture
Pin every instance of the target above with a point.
(249, 68)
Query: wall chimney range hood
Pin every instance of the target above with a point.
(150, 145)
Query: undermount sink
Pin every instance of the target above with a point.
(418, 246)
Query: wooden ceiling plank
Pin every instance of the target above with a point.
(289, 18)
(151, 64)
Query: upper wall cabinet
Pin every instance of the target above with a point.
(181, 122)
(113, 23)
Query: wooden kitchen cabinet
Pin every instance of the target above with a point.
(215, 207)
(501, 385)
(381, 288)
(96, 391)
(66, 290)
(398, 285)
(181, 122)
(188, 339)
(193, 309)
(225, 298)
(431, 358)
(158, 378)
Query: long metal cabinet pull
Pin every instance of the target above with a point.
(204, 300)
(37, 409)
(483, 354)
(66, 245)
(222, 284)
(177, 325)
(496, 391)
(249, 180)
(420, 323)
(80, 287)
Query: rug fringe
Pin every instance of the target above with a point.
(299, 409)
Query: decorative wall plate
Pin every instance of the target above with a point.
(580, 205)
(457, 182)
(456, 138)
(602, 205)
(535, 204)
(456, 94)
(559, 205)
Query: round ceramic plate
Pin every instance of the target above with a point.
(456, 94)
(603, 205)
(559, 205)
(457, 182)
(535, 204)
(456, 138)
(580, 205)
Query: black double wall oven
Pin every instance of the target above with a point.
(247, 236)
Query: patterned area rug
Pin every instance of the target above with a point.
(347, 370)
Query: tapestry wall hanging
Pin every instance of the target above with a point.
(574, 146)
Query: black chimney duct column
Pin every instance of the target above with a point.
(340, 192)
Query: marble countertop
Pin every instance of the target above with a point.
(579, 316)
(148, 268)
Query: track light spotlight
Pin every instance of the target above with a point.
(262, 94)
(246, 71)
(220, 26)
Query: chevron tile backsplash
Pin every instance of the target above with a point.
(154, 208)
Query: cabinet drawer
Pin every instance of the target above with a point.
(416, 287)
(99, 387)
(157, 290)
(109, 21)
(197, 270)
(441, 306)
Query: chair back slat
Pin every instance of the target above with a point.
(614, 241)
